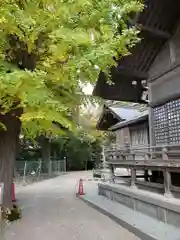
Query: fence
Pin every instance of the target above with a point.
(27, 172)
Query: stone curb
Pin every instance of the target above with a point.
(124, 224)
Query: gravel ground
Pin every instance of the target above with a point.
(51, 211)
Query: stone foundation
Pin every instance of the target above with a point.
(154, 205)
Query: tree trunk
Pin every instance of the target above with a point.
(46, 154)
(55, 155)
(9, 140)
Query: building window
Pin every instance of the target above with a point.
(167, 123)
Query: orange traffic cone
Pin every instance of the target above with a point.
(13, 193)
(81, 188)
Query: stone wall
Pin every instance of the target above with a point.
(151, 204)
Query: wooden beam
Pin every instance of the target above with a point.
(158, 163)
(155, 185)
(130, 72)
(121, 90)
(154, 32)
(172, 49)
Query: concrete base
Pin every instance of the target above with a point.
(157, 206)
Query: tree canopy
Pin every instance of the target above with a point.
(48, 46)
(48, 50)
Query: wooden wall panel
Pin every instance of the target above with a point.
(161, 63)
(122, 136)
(166, 87)
(164, 74)
(139, 135)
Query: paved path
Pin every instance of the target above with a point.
(51, 211)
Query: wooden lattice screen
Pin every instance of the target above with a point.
(167, 123)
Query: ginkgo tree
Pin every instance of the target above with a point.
(47, 48)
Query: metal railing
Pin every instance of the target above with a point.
(27, 172)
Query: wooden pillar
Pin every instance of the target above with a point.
(133, 178)
(167, 183)
(165, 154)
(123, 156)
(112, 177)
(146, 175)
(127, 147)
(152, 140)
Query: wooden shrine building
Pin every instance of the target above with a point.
(153, 68)
(155, 59)
(134, 130)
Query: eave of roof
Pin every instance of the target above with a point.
(104, 112)
(155, 32)
(125, 113)
(120, 113)
(142, 117)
